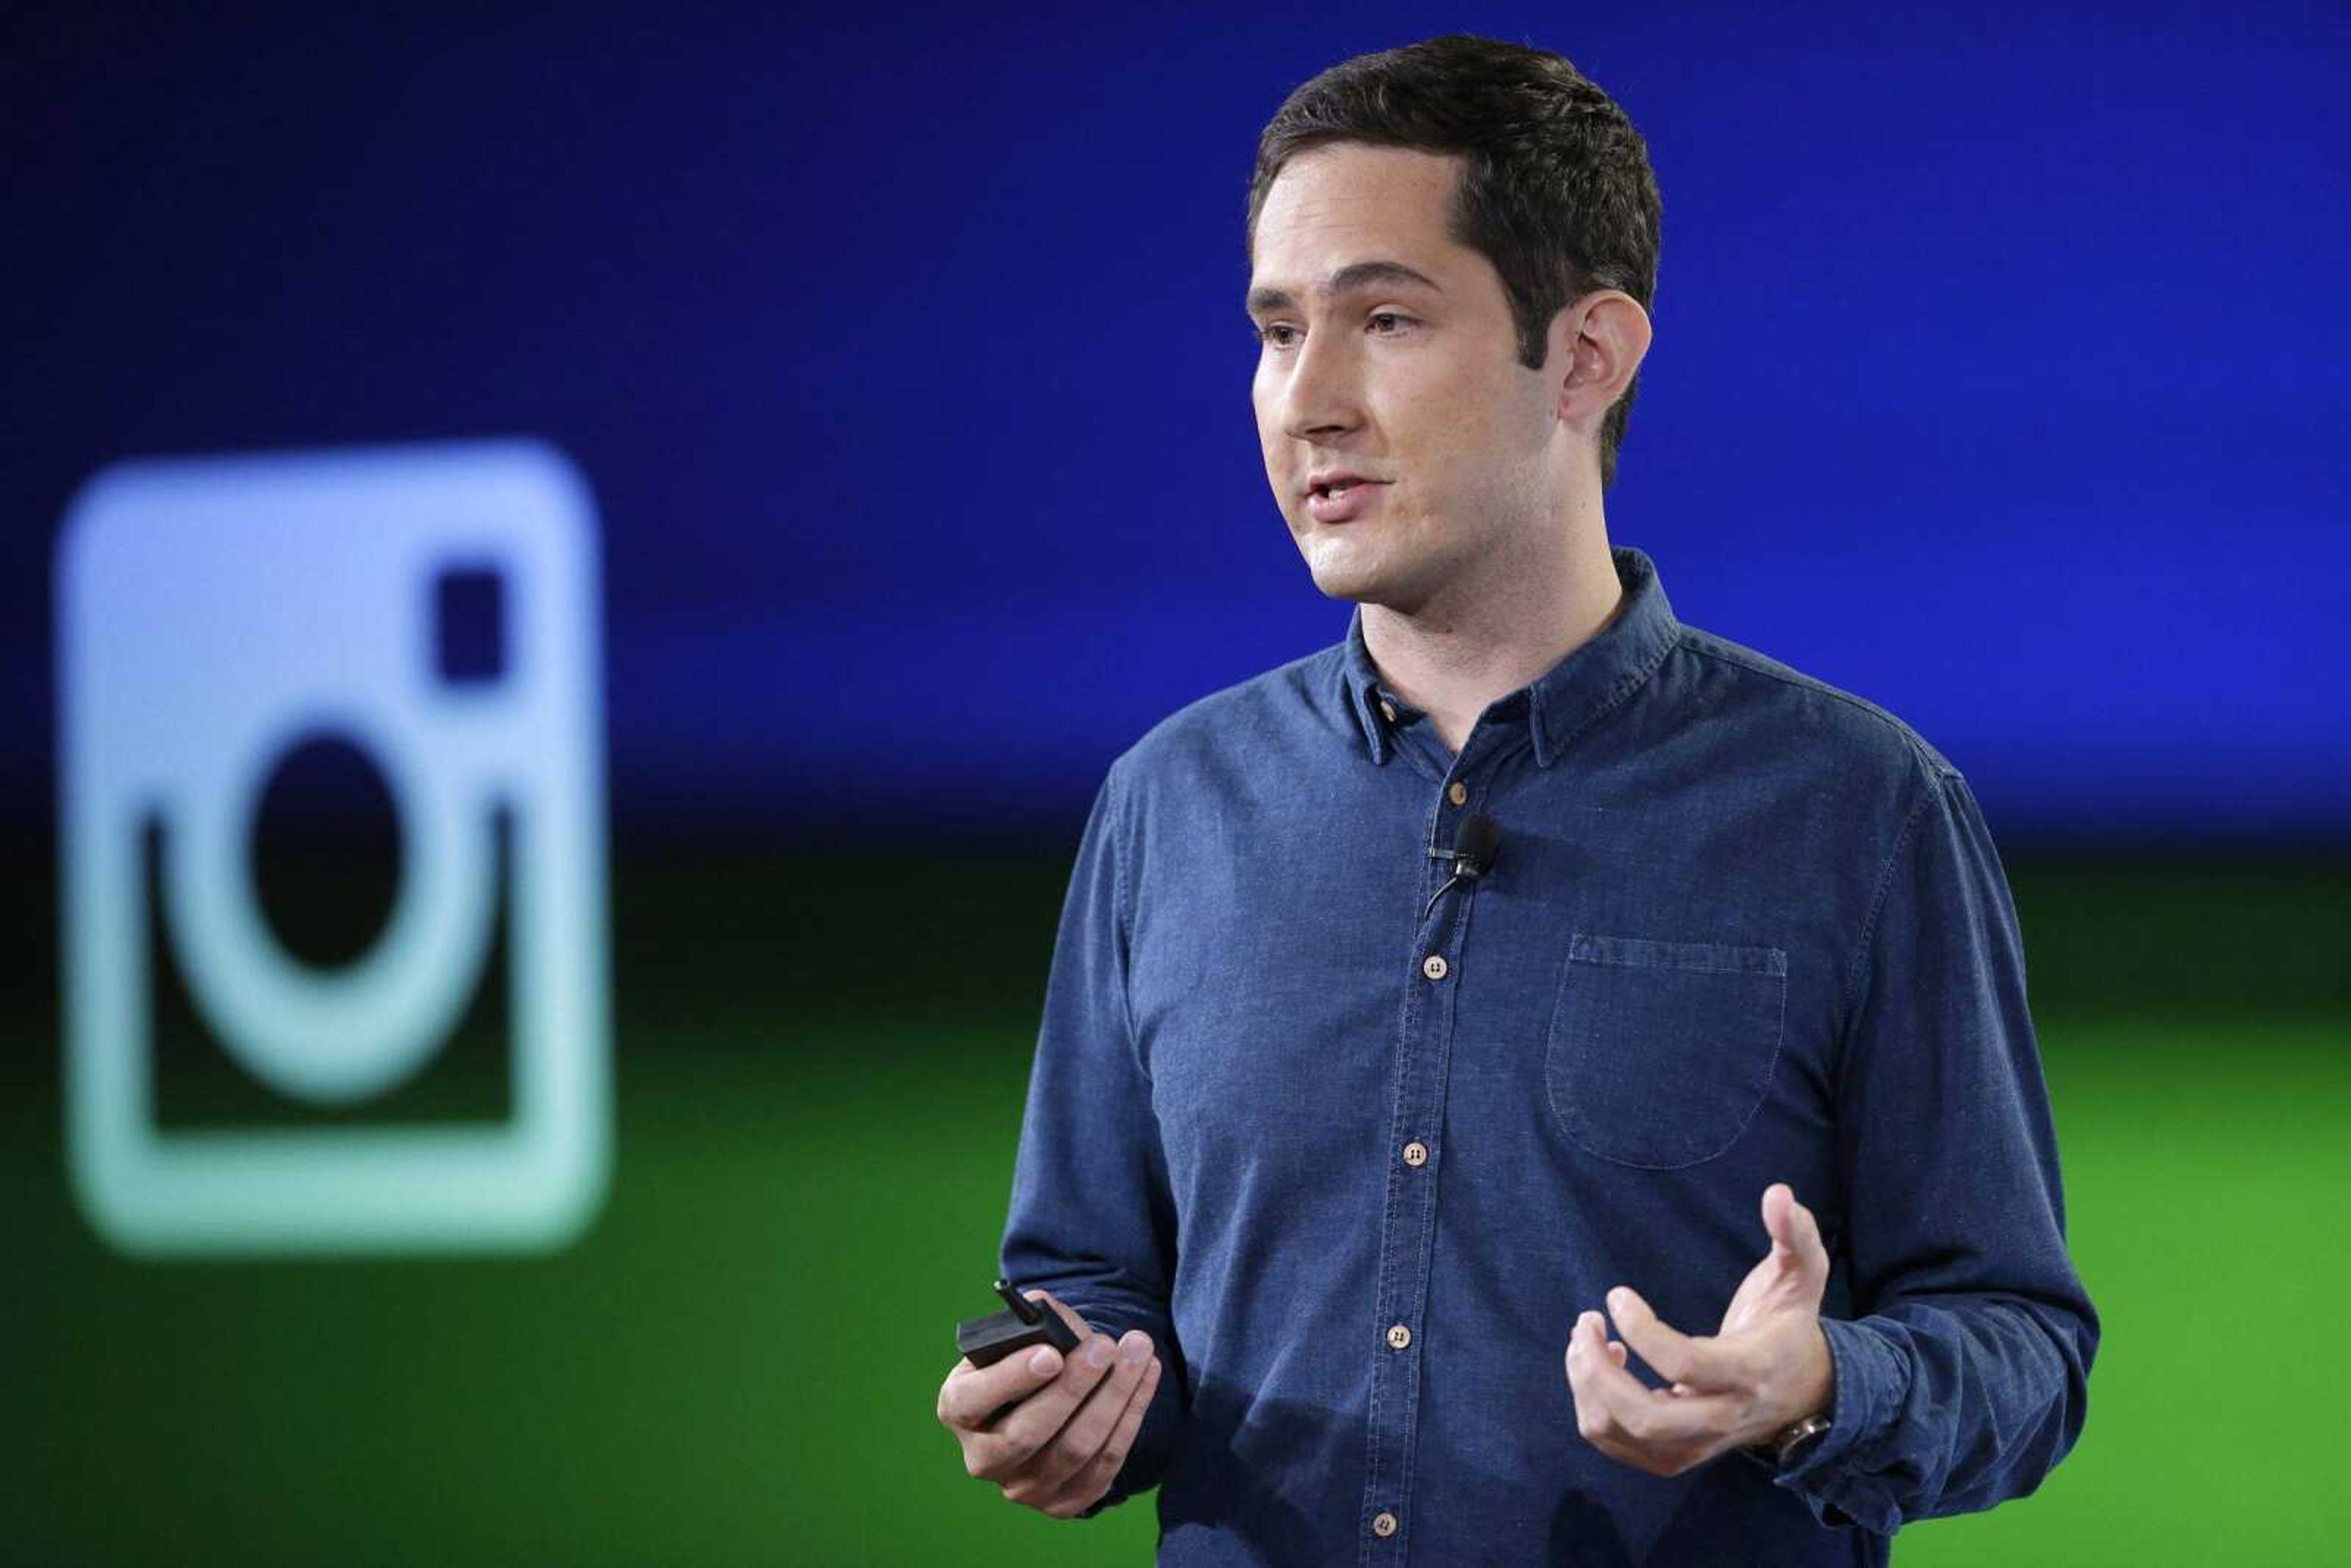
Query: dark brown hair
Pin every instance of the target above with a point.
(1557, 191)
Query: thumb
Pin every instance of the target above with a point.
(1795, 1234)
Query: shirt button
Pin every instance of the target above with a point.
(1383, 1524)
(1456, 794)
(1399, 1336)
(1416, 1155)
(1387, 710)
(1434, 966)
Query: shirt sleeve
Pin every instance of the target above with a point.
(1964, 1378)
(1092, 1217)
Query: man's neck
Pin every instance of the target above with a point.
(1452, 662)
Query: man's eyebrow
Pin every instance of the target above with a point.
(1354, 276)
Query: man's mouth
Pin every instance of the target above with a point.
(1336, 484)
(1342, 497)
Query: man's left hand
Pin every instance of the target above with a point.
(1768, 1366)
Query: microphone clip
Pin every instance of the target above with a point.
(1475, 844)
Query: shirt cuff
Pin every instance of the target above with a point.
(1872, 1380)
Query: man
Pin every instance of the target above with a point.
(1345, 1156)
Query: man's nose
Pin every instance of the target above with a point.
(1325, 391)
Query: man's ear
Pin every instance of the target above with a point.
(1597, 342)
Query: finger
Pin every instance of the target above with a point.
(1085, 1488)
(971, 1394)
(1079, 1441)
(1011, 1443)
(1795, 1232)
(1701, 1361)
(1589, 1348)
(1069, 1313)
(1619, 1416)
(1579, 1344)
(1597, 1416)
(1078, 1325)
(1121, 1436)
(978, 1394)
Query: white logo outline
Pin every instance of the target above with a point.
(209, 610)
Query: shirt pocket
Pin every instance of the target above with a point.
(1661, 1052)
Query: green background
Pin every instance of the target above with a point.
(819, 1095)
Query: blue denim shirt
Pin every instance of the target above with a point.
(1743, 927)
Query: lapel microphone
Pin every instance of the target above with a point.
(1475, 844)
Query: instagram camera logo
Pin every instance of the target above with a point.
(211, 614)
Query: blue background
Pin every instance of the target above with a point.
(1996, 377)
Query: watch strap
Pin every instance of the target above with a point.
(1795, 1435)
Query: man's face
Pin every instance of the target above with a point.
(1412, 383)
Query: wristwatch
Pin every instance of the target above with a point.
(1785, 1443)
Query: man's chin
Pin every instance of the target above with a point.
(1352, 587)
(1366, 588)
(1341, 574)
(1358, 587)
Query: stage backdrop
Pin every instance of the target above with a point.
(861, 396)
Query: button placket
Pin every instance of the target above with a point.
(1409, 1223)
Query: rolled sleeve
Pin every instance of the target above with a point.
(1091, 1218)
(1963, 1378)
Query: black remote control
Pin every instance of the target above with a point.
(992, 1338)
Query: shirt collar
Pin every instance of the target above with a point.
(1564, 700)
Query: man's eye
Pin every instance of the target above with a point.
(1272, 334)
(1391, 315)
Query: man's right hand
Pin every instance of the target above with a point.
(1070, 1424)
